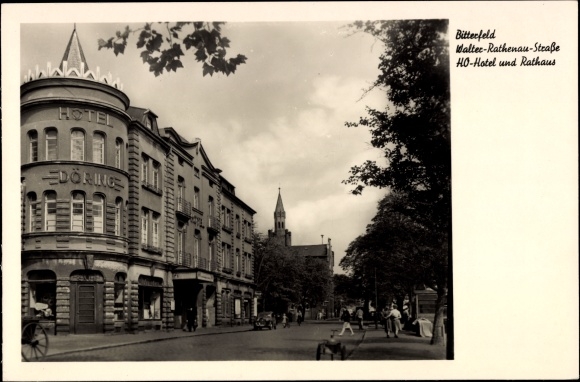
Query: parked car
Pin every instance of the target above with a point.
(265, 320)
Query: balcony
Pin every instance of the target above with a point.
(184, 258)
(205, 264)
(249, 276)
(227, 270)
(213, 224)
(152, 249)
(183, 208)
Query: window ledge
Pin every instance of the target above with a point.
(152, 188)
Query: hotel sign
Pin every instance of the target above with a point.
(77, 176)
(84, 115)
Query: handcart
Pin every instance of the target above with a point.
(34, 339)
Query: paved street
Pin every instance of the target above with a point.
(293, 343)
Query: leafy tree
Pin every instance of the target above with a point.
(414, 134)
(316, 281)
(286, 277)
(162, 48)
(277, 273)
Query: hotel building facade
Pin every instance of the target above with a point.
(125, 225)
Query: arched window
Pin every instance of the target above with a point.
(78, 212)
(118, 216)
(77, 147)
(119, 153)
(51, 144)
(99, 148)
(32, 212)
(50, 211)
(98, 213)
(33, 146)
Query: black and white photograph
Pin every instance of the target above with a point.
(314, 182)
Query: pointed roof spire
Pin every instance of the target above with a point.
(279, 205)
(73, 54)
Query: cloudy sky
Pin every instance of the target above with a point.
(277, 122)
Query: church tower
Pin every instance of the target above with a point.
(280, 233)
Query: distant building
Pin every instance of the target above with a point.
(324, 252)
(121, 223)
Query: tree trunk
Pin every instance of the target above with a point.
(438, 326)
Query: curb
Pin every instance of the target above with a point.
(350, 353)
(138, 342)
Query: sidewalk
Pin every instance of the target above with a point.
(376, 346)
(83, 342)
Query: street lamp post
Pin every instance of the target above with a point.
(376, 301)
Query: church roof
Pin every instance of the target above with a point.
(279, 205)
(316, 250)
(73, 54)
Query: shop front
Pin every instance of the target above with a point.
(193, 289)
(150, 302)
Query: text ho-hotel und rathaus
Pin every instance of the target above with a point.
(124, 225)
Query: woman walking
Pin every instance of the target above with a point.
(346, 325)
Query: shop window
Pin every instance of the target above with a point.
(237, 308)
(118, 216)
(77, 145)
(119, 296)
(51, 144)
(50, 211)
(98, 212)
(149, 303)
(33, 146)
(42, 294)
(78, 212)
(119, 153)
(32, 211)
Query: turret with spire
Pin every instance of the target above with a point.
(280, 233)
(73, 65)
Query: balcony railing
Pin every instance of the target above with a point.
(184, 258)
(195, 261)
(183, 207)
(213, 223)
(152, 249)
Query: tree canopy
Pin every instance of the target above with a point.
(162, 47)
(414, 133)
(286, 277)
(410, 234)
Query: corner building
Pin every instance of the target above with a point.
(121, 224)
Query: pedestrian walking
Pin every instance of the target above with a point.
(191, 319)
(387, 320)
(394, 317)
(284, 320)
(299, 317)
(345, 317)
(359, 318)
